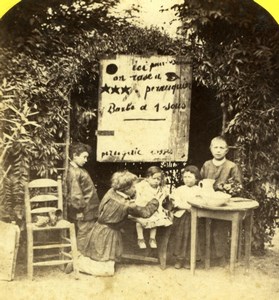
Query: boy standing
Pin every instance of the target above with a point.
(220, 169)
(82, 198)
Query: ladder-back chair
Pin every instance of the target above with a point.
(49, 242)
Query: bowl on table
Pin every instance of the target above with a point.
(217, 199)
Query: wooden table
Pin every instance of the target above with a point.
(236, 211)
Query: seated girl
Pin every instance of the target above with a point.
(152, 187)
(182, 216)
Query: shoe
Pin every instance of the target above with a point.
(186, 265)
(222, 261)
(141, 244)
(152, 243)
(200, 264)
(178, 265)
(219, 261)
(69, 268)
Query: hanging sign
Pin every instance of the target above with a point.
(144, 109)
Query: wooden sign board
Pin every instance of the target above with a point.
(9, 242)
(144, 109)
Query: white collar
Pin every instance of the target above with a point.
(73, 164)
(218, 163)
(122, 194)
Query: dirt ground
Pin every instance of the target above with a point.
(138, 281)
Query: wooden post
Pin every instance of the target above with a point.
(224, 117)
(66, 161)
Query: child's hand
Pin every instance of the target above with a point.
(80, 216)
(160, 197)
(132, 204)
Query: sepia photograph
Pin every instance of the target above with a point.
(139, 149)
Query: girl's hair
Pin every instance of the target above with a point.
(123, 180)
(192, 169)
(153, 170)
(219, 138)
(78, 148)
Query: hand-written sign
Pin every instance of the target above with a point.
(144, 108)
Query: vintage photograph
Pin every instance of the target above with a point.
(139, 150)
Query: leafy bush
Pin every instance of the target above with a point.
(49, 65)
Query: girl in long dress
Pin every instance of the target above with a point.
(182, 216)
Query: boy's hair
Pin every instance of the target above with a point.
(122, 180)
(219, 138)
(78, 148)
(192, 169)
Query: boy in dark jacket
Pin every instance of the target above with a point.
(82, 198)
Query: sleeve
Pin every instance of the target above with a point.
(112, 211)
(236, 174)
(202, 172)
(175, 196)
(87, 187)
(144, 212)
(75, 193)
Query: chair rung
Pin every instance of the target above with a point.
(42, 183)
(44, 198)
(52, 246)
(41, 210)
(66, 254)
(52, 263)
(45, 256)
(66, 239)
(63, 224)
(140, 257)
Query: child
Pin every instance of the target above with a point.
(152, 187)
(104, 242)
(82, 198)
(220, 169)
(182, 217)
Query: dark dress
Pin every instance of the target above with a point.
(104, 242)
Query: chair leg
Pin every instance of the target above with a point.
(29, 253)
(163, 248)
(61, 255)
(240, 241)
(74, 250)
(207, 242)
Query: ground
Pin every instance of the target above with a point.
(137, 281)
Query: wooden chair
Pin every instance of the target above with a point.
(48, 244)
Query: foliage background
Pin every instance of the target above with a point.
(234, 47)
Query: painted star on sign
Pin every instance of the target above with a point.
(125, 89)
(115, 90)
(105, 88)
